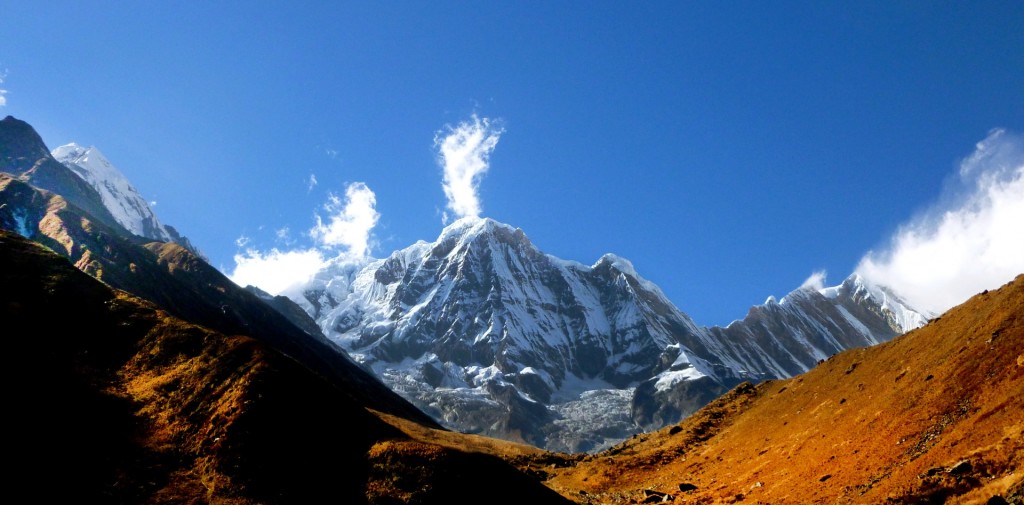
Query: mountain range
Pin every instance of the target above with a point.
(932, 416)
(479, 329)
(490, 335)
(147, 376)
(144, 375)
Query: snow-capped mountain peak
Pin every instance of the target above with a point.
(119, 196)
(87, 162)
(489, 334)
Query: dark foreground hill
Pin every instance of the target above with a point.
(934, 416)
(113, 400)
(183, 284)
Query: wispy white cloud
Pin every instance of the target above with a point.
(242, 241)
(3, 91)
(348, 223)
(276, 271)
(464, 154)
(311, 183)
(971, 241)
(815, 281)
(343, 235)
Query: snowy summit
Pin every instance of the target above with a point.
(119, 196)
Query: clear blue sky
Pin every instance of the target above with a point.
(729, 149)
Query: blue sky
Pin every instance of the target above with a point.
(729, 150)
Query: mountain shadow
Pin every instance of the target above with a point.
(117, 401)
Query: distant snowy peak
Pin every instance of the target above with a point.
(893, 307)
(119, 196)
(856, 289)
(473, 232)
(810, 324)
(89, 162)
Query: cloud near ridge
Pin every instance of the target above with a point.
(815, 281)
(345, 235)
(3, 91)
(464, 155)
(972, 240)
(348, 224)
(275, 271)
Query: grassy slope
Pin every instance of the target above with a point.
(112, 400)
(184, 285)
(883, 424)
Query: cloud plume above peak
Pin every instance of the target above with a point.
(464, 154)
(968, 242)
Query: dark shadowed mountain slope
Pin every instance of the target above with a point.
(24, 155)
(87, 181)
(933, 416)
(113, 400)
(183, 284)
(288, 309)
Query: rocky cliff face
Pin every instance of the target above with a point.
(490, 335)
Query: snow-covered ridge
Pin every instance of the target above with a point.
(119, 196)
(490, 335)
(481, 316)
(897, 309)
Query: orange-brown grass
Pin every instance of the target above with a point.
(887, 424)
(460, 441)
(414, 472)
(116, 401)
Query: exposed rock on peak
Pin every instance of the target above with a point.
(490, 335)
